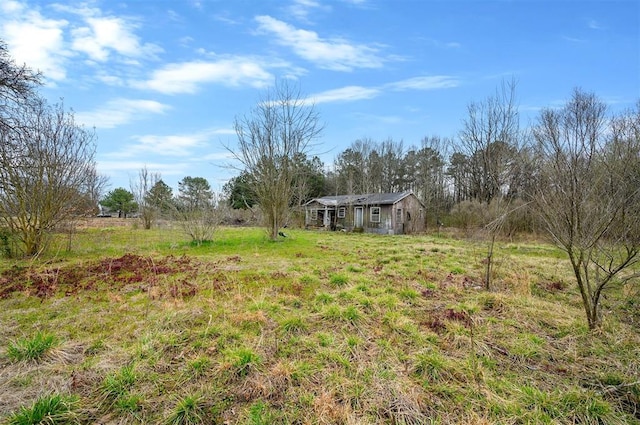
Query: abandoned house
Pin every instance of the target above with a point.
(383, 213)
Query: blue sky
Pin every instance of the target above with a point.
(162, 81)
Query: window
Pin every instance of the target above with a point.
(342, 212)
(399, 216)
(375, 214)
(314, 215)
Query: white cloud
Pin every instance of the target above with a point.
(187, 76)
(425, 83)
(335, 54)
(111, 80)
(47, 44)
(345, 94)
(300, 9)
(353, 93)
(594, 25)
(120, 111)
(116, 168)
(219, 156)
(10, 7)
(176, 145)
(35, 40)
(109, 34)
(99, 36)
(443, 44)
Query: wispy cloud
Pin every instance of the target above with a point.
(117, 168)
(353, 93)
(345, 94)
(443, 44)
(425, 83)
(174, 145)
(186, 77)
(594, 25)
(301, 9)
(117, 112)
(573, 39)
(335, 54)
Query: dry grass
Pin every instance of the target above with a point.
(321, 328)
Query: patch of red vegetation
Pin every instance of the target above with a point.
(435, 324)
(458, 316)
(554, 286)
(115, 272)
(437, 320)
(12, 280)
(428, 293)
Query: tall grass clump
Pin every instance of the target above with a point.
(243, 360)
(117, 385)
(49, 409)
(188, 411)
(33, 348)
(338, 280)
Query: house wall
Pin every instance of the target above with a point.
(412, 218)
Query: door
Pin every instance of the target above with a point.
(358, 213)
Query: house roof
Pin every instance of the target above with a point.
(368, 199)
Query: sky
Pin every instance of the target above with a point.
(162, 81)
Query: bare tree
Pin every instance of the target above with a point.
(282, 126)
(489, 140)
(589, 197)
(140, 189)
(46, 160)
(93, 188)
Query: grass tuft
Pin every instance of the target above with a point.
(33, 348)
(117, 385)
(190, 410)
(338, 280)
(243, 360)
(293, 325)
(50, 409)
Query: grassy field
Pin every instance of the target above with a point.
(135, 326)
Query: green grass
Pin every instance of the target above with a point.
(189, 410)
(116, 385)
(320, 327)
(49, 409)
(32, 348)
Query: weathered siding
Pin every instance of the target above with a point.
(403, 216)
